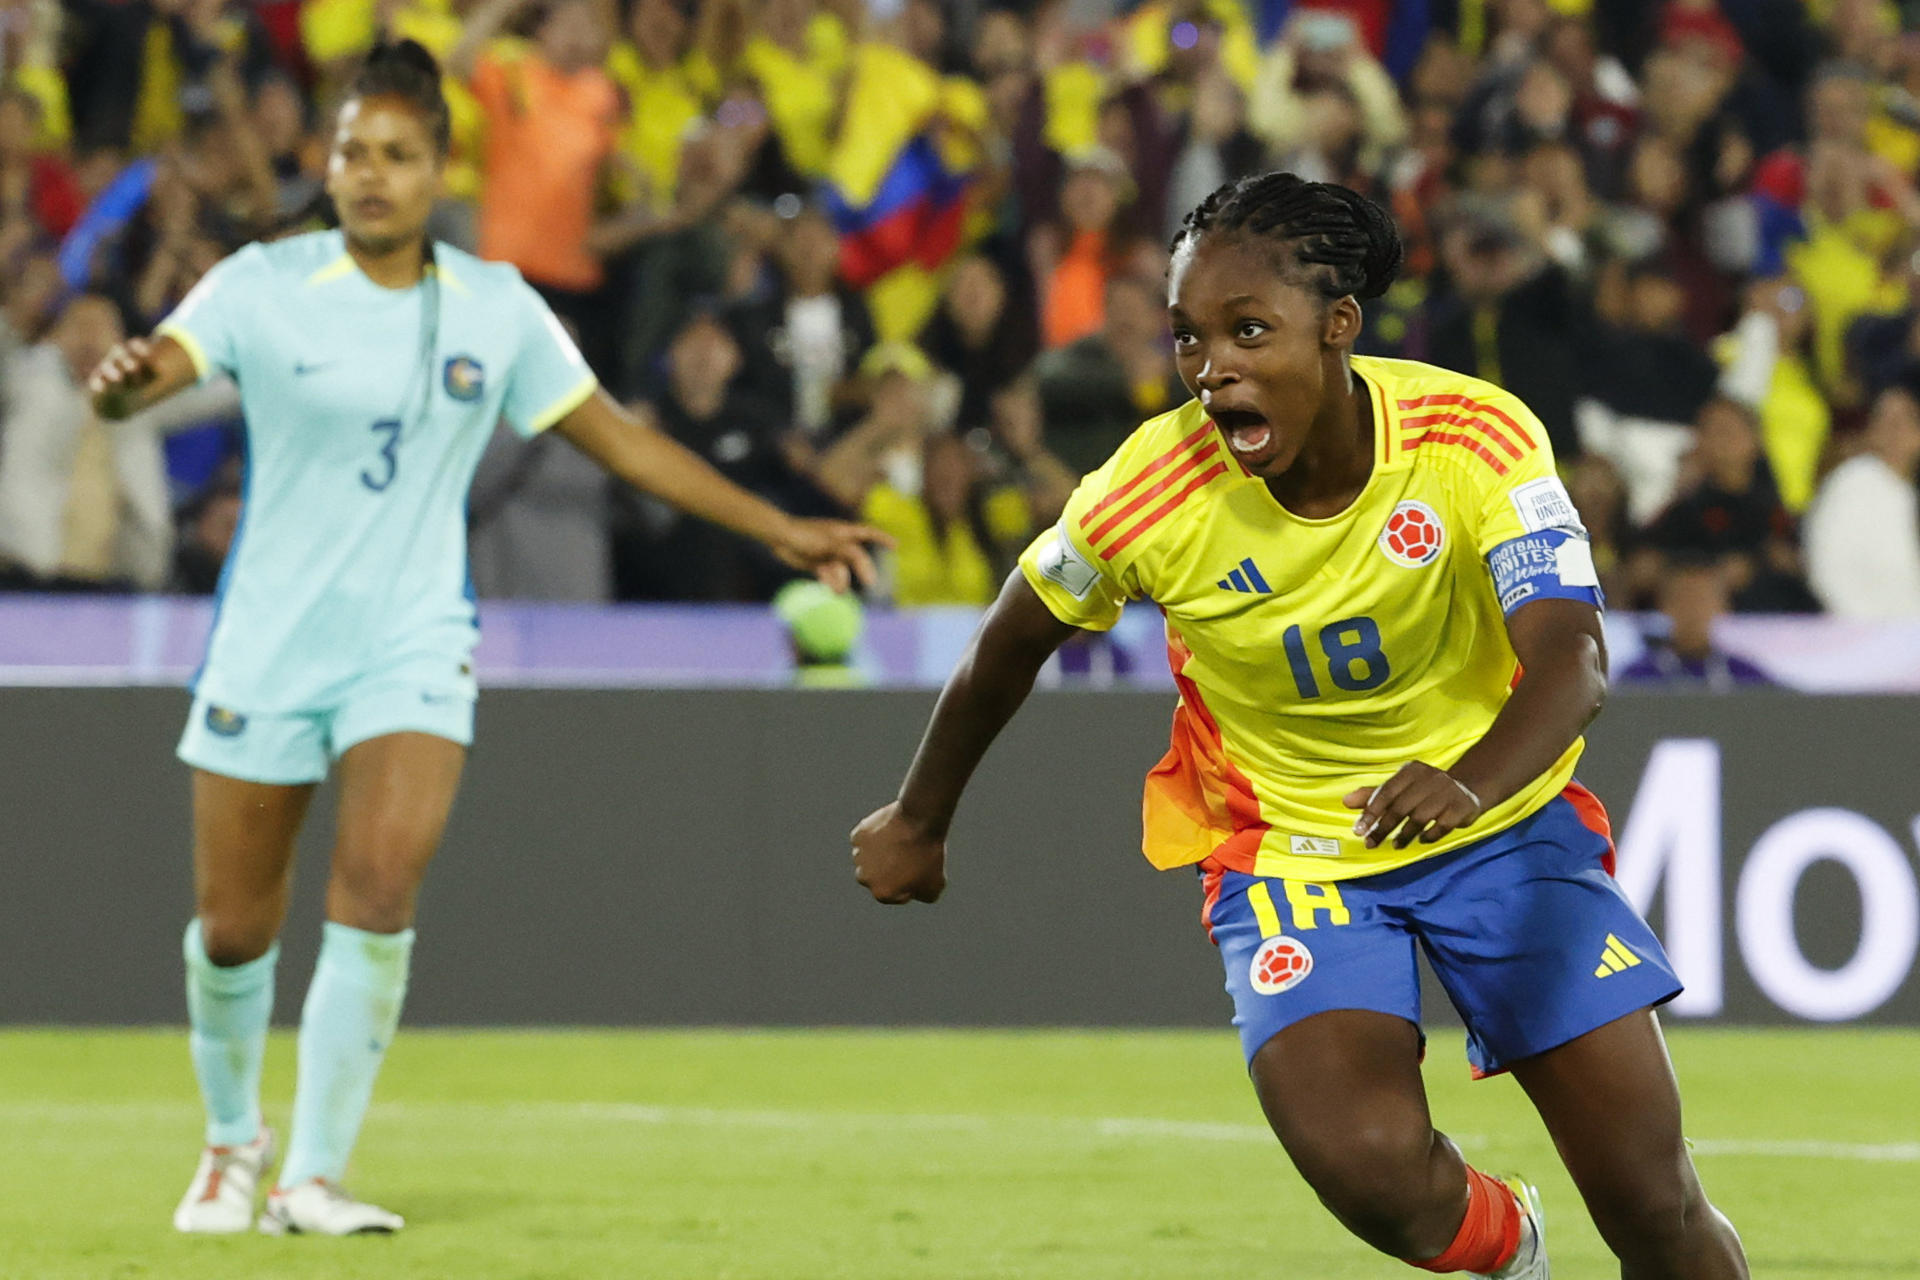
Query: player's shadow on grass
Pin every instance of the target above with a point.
(531, 1217)
(470, 1205)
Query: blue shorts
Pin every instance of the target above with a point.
(1526, 929)
(419, 693)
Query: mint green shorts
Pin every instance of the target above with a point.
(419, 695)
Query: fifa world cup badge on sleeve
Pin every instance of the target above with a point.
(1279, 964)
(1062, 563)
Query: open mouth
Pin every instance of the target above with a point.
(1246, 430)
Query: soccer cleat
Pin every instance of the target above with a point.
(220, 1199)
(1529, 1260)
(321, 1208)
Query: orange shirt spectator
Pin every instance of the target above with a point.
(1076, 291)
(1091, 243)
(549, 134)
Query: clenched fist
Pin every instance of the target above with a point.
(897, 860)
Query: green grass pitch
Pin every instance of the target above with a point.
(789, 1155)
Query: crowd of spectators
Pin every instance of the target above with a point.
(904, 258)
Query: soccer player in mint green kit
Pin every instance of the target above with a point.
(372, 368)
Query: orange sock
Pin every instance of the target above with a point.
(1489, 1233)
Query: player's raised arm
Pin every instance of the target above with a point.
(899, 851)
(137, 373)
(649, 459)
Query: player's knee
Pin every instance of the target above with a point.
(377, 907)
(374, 894)
(1651, 1218)
(232, 937)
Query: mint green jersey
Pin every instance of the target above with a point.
(366, 412)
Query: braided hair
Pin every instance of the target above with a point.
(404, 69)
(1322, 224)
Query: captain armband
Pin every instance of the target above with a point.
(1552, 564)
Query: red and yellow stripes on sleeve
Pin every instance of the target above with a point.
(1154, 492)
(1481, 429)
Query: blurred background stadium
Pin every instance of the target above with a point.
(903, 259)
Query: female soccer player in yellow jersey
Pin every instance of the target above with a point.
(1378, 599)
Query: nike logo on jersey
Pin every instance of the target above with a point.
(302, 368)
(1615, 958)
(1245, 579)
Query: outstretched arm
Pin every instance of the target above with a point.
(899, 852)
(1563, 661)
(483, 24)
(647, 458)
(138, 373)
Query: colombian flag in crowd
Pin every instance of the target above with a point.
(916, 216)
(891, 187)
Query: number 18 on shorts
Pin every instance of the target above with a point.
(1528, 933)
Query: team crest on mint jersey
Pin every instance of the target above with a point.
(465, 378)
(227, 724)
(1279, 965)
(1414, 535)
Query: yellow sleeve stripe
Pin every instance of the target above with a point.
(189, 344)
(338, 269)
(1260, 898)
(446, 276)
(565, 405)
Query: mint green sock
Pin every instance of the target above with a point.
(228, 1009)
(352, 1010)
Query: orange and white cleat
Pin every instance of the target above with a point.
(318, 1207)
(1529, 1261)
(220, 1199)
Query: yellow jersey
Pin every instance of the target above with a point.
(661, 106)
(933, 566)
(1315, 656)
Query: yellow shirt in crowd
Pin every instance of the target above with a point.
(952, 568)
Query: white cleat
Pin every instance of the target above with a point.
(1529, 1261)
(220, 1199)
(321, 1208)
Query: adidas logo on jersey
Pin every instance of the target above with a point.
(1615, 958)
(1246, 579)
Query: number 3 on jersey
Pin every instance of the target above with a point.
(1351, 650)
(389, 456)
